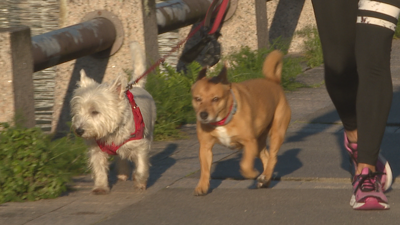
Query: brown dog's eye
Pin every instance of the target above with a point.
(94, 112)
(216, 99)
(197, 99)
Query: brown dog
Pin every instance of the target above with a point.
(241, 115)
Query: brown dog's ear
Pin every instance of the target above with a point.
(202, 73)
(222, 76)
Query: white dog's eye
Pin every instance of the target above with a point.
(216, 99)
(94, 112)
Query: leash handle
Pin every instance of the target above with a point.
(206, 22)
(161, 60)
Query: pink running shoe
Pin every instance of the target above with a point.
(382, 166)
(367, 192)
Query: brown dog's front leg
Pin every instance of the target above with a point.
(247, 163)
(205, 156)
(277, 136)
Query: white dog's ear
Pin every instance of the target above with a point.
(85, 80)
(119, 86)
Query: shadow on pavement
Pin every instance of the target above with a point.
(329, 116)
(160, 163)
(288, 162)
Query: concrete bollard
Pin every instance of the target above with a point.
(16, 83)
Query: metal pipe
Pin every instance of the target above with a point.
(100, 33)
(72, 42)
(175, 14)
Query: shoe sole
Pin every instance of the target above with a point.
(370, 203)
(388, 171)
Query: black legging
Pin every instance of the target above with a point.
(357, 70)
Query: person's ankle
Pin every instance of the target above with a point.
(352, 136)
(361, 166)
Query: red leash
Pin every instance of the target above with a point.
(221, 12)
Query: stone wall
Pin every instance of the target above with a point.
(7, 102)
(286, 17)
(41, 17)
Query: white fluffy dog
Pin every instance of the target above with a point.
(112, 124)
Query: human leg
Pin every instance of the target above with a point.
(337, 30)
(374, 36)
(376, 22)
(347, 58)
(341, 38)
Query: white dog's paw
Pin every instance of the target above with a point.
(122, 177)
(101, 190)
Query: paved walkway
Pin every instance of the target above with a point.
(311, 186)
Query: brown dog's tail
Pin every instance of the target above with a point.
(272, 68)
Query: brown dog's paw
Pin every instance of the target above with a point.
(249, 174)
(100, 191)
(200, 191)
(263, 182)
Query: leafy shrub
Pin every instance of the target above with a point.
(313, 47)
(171, 92)
(397, 31)
(33, 167)
(247, 64)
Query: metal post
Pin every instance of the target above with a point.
(175, 14)
(262, 24)
(72, 42)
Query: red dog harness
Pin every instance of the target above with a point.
(139, 128)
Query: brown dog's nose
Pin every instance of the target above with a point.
(204, 115)
(79, 131)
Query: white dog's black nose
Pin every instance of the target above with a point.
(79, 131)
(204, 115)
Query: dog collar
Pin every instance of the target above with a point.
(228, 117)
(139, 128)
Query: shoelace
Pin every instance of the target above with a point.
(368, 182)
